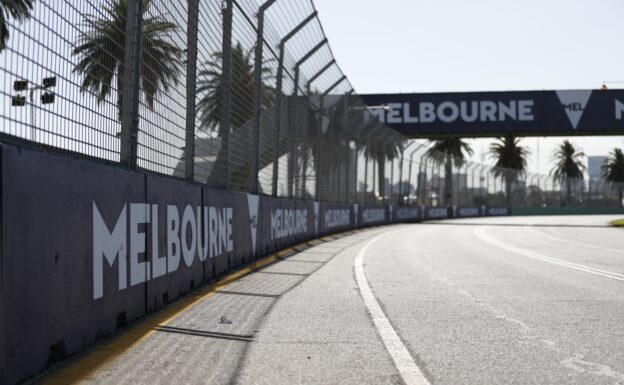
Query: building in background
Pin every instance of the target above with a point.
(593, 167)
(596, 180)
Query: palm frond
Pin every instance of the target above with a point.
(19, 10)
(100, 53)
(613, 168)
(568, 162)
(454, 148)
(511, 158)
(210, 89)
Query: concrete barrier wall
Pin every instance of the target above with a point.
(50, 206)
(87, 248)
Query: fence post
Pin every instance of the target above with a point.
(409, 177)
(366, 160)
(487, 186)
(390, 194)
(308, 85)
(421, 190)
(355, 172)
(257, 107)
(226, 73)
(300, 62)
(318, 144)
(409, 180)
(191, 78)
(278, 90)
(131, 84)
(400, 200)
(374, 183)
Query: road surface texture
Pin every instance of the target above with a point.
(510, 300)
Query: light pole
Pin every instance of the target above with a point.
(47, 97)
(411, 161)
(369, 124)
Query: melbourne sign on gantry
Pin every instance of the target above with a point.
(525, 113)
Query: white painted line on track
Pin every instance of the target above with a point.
(480, 233)
(582, 244)
(403, 360)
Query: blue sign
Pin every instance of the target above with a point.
(524, 113)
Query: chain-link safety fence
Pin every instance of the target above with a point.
(432, 179)
(244, 95)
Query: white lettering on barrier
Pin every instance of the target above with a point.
(287, 222)
(337, 218)
(468, 212)
(159, 263)
(438, 212)
(139, 271)
(111, 246)
(188, 251)
(373, 215)
(404, 213)
(173, 238)
(494, 211)
(182, 237)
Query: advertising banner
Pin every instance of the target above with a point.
(72, 253)
(372, 215)
(178, 231)
(436, 212)
(467, 212)
(407, 214)
(497, 211)
(543, 113)
(335, 217)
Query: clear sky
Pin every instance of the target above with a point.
(480, 45)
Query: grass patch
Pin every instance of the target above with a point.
(618, 223)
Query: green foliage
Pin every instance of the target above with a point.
(382, 146)
(569, 163)
(210, 90)
(613, 168)
(509, 154)
(447, 152)
(454, 148)
(613, 171)
(101, 53)
(511, 161)
(15, 9)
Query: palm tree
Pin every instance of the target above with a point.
(16, 9)
(568, 165)
(613, 171)
(209, 107)
(382, 148)
(448, 152)
(101, 54)
(335, 154)
(210, 87)
(511, 161)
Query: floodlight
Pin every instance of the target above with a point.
(18, 101)
(49, 82)
(20, 85)
(47, 98)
